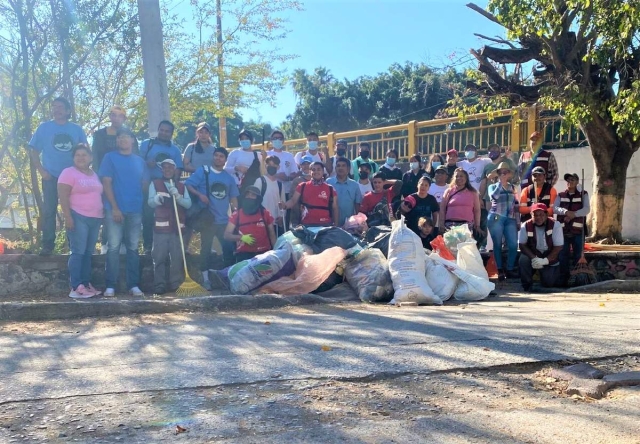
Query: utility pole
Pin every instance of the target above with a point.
(153, 64)
(221, 119)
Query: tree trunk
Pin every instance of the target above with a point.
(611, 156)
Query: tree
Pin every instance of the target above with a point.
(587, 64)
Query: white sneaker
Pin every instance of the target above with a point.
(109, 292)
(135, 291)
(81, 293)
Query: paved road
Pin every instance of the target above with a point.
(63, 359)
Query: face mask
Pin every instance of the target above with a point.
(364, 175)
(341, 153)
(435, 165)
(313, 145)
(272, 170)
(414, 165)
(493, 155)
(364, 154)
(470, 154)
(251, 206)
(245, 144)
(277, 144)
(391, 161)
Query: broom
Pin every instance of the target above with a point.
(583, 273)
(189, 287)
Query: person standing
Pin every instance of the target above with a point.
(340, 151)
(199, 152)
(452, 164)
(364, 180)
(167, 251)
(217, 192)
(435, 160)
(460, 204)
(272, 192)
(305, 176)
(571, 206)
(241, 161)
(288, 169)
(104, 140)
(54, 141)
(390, 170)
(154, 151)
(80, 192)
(490, 173)
(364, 157)
(124, 177)
(537, 157)
(410, 178)
(438, 188)
(348, 191)
(376, 205)
(313, 150)
(538, 191)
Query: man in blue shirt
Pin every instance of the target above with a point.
(124, 177)
(53, 140)
(216, 190)
(349, 196)
(154, 151)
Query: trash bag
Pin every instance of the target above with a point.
(334, 279)
(322, 238)
(471, 288)
(356, 224)
(440, 279)
(457, 235)
(469, 259)
(311, 271)
(295, 245)
(378, 237)
(262, 269)
(368, 275)
(407, 267)
(439, 247)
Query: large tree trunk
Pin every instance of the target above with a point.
(611, 156)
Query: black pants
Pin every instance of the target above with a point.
(549, 275)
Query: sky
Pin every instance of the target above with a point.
(364, 37)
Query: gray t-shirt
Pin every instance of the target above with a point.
(197, 159)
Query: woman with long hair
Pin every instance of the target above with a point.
(435, 160)
(200, 151)
(460, 204)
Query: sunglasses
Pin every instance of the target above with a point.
(503, 173)
(408, 205)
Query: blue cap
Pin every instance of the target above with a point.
(306, 159)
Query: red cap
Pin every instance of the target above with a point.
(538, 206)
(452, 153)
(411, 200)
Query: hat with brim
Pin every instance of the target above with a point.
(442, 169)
(538, 207)
(569, 176)
(538, 170)
(306, 159)
(252, 189)
(452, 153)
(411, 201)
(204, 125)
(169, 161)
(503, 166)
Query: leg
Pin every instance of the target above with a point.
(176, 267)
(92, 239)
(78, 238)
(526, 272)
(549, 276)
(160, 255)
(495, 224)
(482, 239)
(577, 245)
(228, 248)
(563, 258)
(115, 231)
(148, 221)
(511, 236)
(206, 239)
(132, 228)
(49, 213)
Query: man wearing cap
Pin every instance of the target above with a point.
(166, 251)
(251, 227)
(288, 169)
(348, 191)
(272, 192)
(126, 180)
(340, 151)
(439, 186)
(104, 140)
(364, 157)
(452, 163)
(538, 191)
(54, 141)
(540, 242)
(571, 206)
(537, 157)
(473, 165)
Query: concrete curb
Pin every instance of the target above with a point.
(41, 311)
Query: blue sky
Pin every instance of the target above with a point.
(364, 37)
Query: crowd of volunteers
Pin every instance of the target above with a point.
(127, 192)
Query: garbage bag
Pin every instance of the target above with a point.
(470, 287)
(368, 275)
(334, 279)
(311, 271)
(407, 267)
(469, 259)
(457, 235)
(439, 247)
(378, 237)
(322, 238)
(440, 279)
(262, 269)
(356, 224)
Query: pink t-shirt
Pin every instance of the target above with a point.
(86, 192)
(460, 206)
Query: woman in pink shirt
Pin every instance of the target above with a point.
(80, 193)
(460, 204)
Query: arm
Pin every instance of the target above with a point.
(34, 155)
(233, 202)
(272, 234)
(107, 183)
(524, 208)
(557, 209)
(476, 212)
(483, 186)
(152, 196)
(184, 200)
(185, 159)
(229, 232)
(203, 198)
(64, 194)
(335, 211)
(396, 186)
(293, 201)
(329, 163)
(443, 207)
(586, 206)
(553, 194)
(524, 249)
(230, 166)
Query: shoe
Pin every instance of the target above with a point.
(501, 276)
(159, 290)
(93, 289)
(109, 292)
(135, 291)
(46, 252)
(527, 288)
(512, 274)
(81, 292)
(207, 285)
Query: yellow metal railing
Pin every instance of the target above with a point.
(508, 128)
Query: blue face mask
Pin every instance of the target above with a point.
(391, 161)
(245, 144)
(470, 154)
(312, 144)
(277, 144)
(435, 165)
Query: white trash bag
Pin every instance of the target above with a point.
(469, 287)
(469, 259)
(440, 279)
(407, 267)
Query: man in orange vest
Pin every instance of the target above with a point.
(538, 192)
(541, 241)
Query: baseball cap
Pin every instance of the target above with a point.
(306, 159)
(452, 152)
(571, 176)
(203, 125)
(411, 201)
(341, 142)
(538, 207)
(538, 170)
(169, 161)
(443, 169)
(252, 189)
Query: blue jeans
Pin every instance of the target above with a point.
(127, 231)
(82, 243)
(49, 212)
(571, 243)
(503, 227)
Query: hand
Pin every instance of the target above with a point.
(536, 263)
(68, 223)
(507, 152)
(45, 175)
(116, 215)
(158, 199)
(174, 191)
(282, 205)
(544, 261)
(203, 199)
(241, 169)
(569, 215)
(247, 239)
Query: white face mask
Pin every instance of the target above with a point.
(414, 165)
(313, 145)
(277, 144)
(470, 154)
(245, 144)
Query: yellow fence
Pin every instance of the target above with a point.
(507, 128)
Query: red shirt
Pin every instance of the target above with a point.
(371, 199)
(315, 205)
(254, 225)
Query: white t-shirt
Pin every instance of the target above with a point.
(272, 195)
(287, 166)
(437, 191)
(364, 189)
(316, 156)
(242, 158)
(474, 170)
(557, 238)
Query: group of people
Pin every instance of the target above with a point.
(247, 198)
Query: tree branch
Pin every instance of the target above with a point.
(484, 13)
(496, 40)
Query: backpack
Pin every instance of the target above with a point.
(329, 207)
(251, 175)
(237, 224)
(263, 189)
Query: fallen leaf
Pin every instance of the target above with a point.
(602, 304)
(267, 323)
(486, 349)
(180, 429)
(325, 348)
